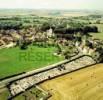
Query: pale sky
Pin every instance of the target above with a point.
(53, 4)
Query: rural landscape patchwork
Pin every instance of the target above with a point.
(48, 54)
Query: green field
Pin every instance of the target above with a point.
(98, 35)
(4, 94)
(14, 60)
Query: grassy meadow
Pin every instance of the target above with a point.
(14, 60)
(98, 35)
(4, 94)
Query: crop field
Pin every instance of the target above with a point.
(85, 84)
(14, 60)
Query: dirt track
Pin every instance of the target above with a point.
(85, 84)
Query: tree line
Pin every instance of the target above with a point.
(69, 30)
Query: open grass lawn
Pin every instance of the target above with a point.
(85, 84)
(100, 34)
(14, 60)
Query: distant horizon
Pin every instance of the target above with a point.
(52, 4)
(50, 9)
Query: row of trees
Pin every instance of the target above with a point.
(63, 29)
(10, 25)
(85, 30)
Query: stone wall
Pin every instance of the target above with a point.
(21, 85)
